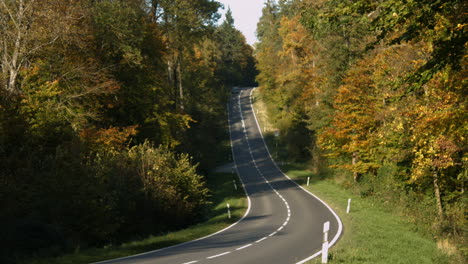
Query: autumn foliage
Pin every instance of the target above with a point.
(110, 113)
(381, 87)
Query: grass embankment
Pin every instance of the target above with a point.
(373, 233)
(223, 192)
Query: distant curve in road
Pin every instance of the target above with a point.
(283, 223)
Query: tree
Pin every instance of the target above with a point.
(183, 22)
(440, 22)
(437, 136)
(379, 85)
(238, 66)
(269, 45)
(90, 93)
(354, 121)
(24, 33)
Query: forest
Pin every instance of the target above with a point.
(111, 113)
(373, 94)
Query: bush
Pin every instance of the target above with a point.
(151, 189)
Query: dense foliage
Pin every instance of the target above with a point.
(110, 111)
(377, 90)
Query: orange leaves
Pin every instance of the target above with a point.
(295, 37)
(439, 126)
(445, 149)
(112, 139)
(295, 69)
(358, 126)
(367, 122)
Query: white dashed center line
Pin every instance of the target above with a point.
(219, 255)
(269, 184)
(263, 176)
(246, 246)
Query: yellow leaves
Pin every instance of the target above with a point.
(40, 96)
(197, 53)
(460, 27)
(50, 89)
(292, 31)
(418, 121)
(399, 126)
(112, 139)
(417, 63)
(432, 151)
(359, 167)
(295, 38)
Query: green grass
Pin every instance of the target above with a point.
(223, 193)
(372, 234)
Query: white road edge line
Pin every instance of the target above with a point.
(340, 224)
(261, 239)
(201, 238)
(219, 255)
(255, 163)
(191, 262)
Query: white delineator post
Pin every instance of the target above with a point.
(235, 185)
(308, 180)
(229, 211)
(326, 228)
(349, 206)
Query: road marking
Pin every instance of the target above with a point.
(258, 170)
(340, 224)
(246, 246)
(340, 227)
(219, 255)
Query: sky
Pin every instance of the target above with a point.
(246, 14)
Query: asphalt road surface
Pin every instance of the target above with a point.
(283, 223)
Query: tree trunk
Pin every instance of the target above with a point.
(435, 176)
(14, 69)
(10, 62)
(4, 65)
(181, 89)
(172, 78)
(355, 159)
(463, 180)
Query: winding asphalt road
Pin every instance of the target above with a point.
(283, 223)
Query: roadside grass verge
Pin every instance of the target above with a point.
(372, 233)
(223, 192)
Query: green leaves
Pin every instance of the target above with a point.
(95, 86)
(236, 61)
(169, 179)
(381, 85)
(119, 31)
(437, 22)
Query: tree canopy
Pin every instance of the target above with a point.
(110, 114)
(377, 90)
